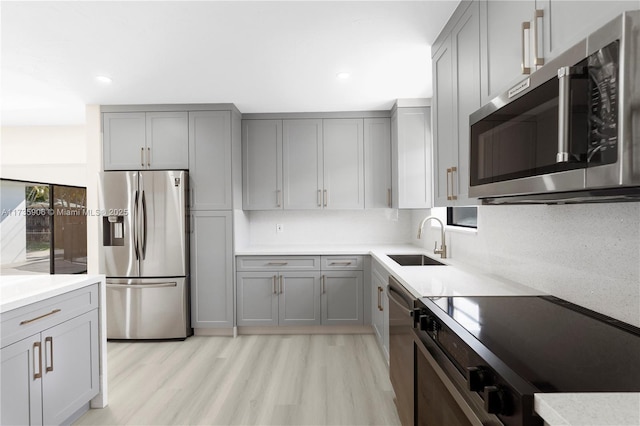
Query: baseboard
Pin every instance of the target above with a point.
(307, 329)
(227, 332)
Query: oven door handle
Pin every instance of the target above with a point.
(399, 302)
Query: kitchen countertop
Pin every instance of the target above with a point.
(589, 409)
(21, 290)
(456, 279)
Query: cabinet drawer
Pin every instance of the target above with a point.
(31, 319)
(342, 263)
(278, 263)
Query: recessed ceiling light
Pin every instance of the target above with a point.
(104, 79)
(343, 75)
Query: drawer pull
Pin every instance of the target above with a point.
(25, 322)
(50, 340)
(277, 263)
(347, 263)
(37, 375)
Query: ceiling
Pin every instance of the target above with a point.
(263, 56)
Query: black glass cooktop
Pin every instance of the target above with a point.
(554, 345)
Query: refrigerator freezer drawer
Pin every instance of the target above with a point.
(147, 308)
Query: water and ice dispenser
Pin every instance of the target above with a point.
(113, 230)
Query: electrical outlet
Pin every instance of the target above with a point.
(278, 228)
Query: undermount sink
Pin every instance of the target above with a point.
(414, 260)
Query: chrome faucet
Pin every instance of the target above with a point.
(443, 247)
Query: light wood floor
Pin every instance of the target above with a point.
(249, 380)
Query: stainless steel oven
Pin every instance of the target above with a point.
(570, 131)
(401, 373)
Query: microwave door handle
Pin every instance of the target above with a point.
(564, 80)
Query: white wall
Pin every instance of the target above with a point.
(49, 154)
(588, 254)
(376, 226)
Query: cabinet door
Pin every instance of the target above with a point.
(443, 123)
(302, 164)
(342, 298)
(123, 144)
(343, 163)
(567, 22)
(210, 160)
(257, 298)
(465, 40)
(21, 392)
(70, 367)
(413, 147)
(299, 301)
(377, 314)
(167, 141)
(211, 269)
(502, 44)
(262, 165)
(377, 163)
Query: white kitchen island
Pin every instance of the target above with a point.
(52, 347)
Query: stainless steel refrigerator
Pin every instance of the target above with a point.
(145, 253)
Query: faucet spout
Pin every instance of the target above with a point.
(443, 247)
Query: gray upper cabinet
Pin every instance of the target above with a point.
(262, 165)
(151, 140)
(566, 22)
(377, 163)
(456, 73)
(411, 157)
(507, 38)
(343, 147)
(210, 160)
(124, 140)
(302, 170)
(211, 269)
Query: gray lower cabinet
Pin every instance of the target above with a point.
(284, 298)
(211, 269)
(299, 290)
(379, 309)
(51, 373)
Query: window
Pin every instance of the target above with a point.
(466, 217)
(42, 228)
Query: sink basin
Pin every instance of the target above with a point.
(414, 260)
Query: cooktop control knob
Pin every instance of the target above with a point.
(478, 378)
(495, 400)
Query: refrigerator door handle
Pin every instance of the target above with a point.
(144, 226)
(135, 225)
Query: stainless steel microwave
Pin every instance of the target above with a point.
(568, 133)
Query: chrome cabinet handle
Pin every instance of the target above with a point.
(323, 284)
(319, 198)
(389, 197)
(537, 61)
(142, 156)
(275, 291)
(277, 263)
(325, 198)
(281, 285)
(278, 198)
(525, 70)
(347, 263)
(149, 157)
(448, 196)
(49, 339)
(25, 322)
(379, 298)
(563, 114)
(38, 375)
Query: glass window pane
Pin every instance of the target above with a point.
(462, 216)
(69, 230)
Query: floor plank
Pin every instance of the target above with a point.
(249, 380)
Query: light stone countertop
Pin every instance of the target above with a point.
(456, 279)
(21, 290)
(588, 409)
